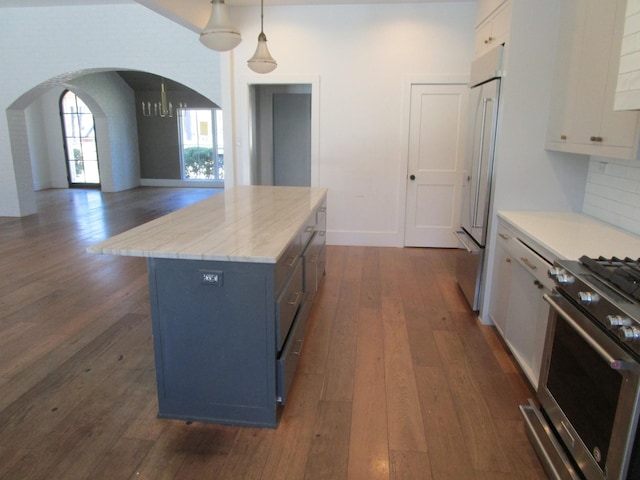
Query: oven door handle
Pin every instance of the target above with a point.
(612, 362)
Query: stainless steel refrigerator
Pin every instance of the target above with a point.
(478, 174)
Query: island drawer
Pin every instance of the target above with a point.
(307, 230)
(321, 217)
(290, 356)
(288, 303)
(314, 262)
(286, 264)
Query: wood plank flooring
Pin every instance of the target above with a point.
(397, 379)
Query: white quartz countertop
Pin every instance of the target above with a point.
(570, 235)
(241, 224)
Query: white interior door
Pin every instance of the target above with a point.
(437, 138)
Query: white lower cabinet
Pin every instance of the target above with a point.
(516, 306)
(501, 286)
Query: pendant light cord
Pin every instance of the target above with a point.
(262, 16)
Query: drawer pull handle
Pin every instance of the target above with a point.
(299, 349)
(293, 299)
(322, 233)
(528, 263)
(322, 209)
(291, 261)
(504, 236)
(309, 229)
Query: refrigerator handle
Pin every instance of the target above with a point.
(485, 101)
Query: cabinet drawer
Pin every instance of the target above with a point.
(286, 264)
(312, 259)
(307, 231)
(322, 262)
(321, 218)
(534, 263)
(290, 356)
(287, 304)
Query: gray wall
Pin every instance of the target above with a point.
(263, 161)
(158, 137)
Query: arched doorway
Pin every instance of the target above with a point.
(79, 134)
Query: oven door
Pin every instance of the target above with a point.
(588, 390)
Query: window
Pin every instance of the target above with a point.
(201, 144)
(78, 129)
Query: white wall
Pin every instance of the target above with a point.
(361, 58)
(116, 128)
(112, 103)
(36, 127)
(74, 41)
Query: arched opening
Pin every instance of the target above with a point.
(133, 149)
(79, 139)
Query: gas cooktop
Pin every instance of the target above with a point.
(623, 273)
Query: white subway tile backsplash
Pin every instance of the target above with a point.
(612, 193)
(628, 44)
(633, 6)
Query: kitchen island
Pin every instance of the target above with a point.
(231, 280)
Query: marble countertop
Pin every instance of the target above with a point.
(241, 224)
(570, 235)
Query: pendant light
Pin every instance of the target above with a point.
(262, 61)
(219, 34)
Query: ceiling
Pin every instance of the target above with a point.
(193, 14)
(199, 3)
(143, 81)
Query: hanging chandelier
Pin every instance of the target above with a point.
(262, 61)
(163, 108)
(219, 34)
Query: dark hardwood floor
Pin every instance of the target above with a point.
(397, 379)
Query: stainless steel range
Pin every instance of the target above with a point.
(586, 426)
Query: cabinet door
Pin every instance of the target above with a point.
(483, 33)
(619, 128)
(595, 50)
(486, 8)
(566, 73)
(581, 116)
(494, 31)
(527, 322)
(501, 285)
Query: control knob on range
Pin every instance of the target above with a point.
(555, 271)
(588, 298)
(617, 321)
(564, 278)
(629, 334)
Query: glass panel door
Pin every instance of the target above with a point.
(79, 142)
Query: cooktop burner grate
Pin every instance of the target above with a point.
(623, 273)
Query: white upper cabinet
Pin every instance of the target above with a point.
(486, 8)
(493, 29)
(628, 91)
(581, 115)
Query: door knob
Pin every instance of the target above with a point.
(412, 177)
